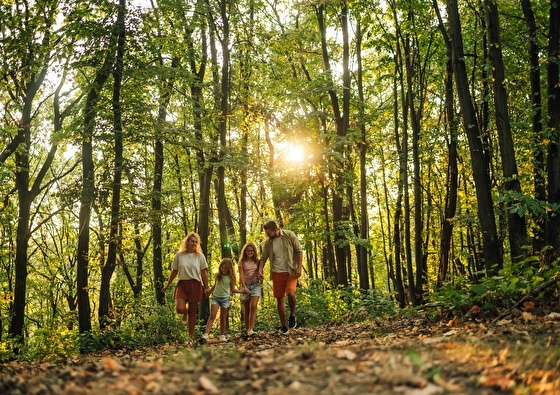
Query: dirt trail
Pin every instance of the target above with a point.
(412, 357)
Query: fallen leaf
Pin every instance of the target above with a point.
(454, 322)
(111, 364)
(553, 316)
(526, 316)
(475, 309)
(529, 305)
(346, 354)
(499, 382)
(207, 385)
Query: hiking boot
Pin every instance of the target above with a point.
(293, 322)
(284, 330)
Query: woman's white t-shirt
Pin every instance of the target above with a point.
(189, 265)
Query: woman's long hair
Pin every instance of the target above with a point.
(227, 262)
(184, 247)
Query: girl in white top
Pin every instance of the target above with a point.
(189, 264)
(221, 291)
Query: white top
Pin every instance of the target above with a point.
(189, 265)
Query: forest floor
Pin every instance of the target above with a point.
(412, 356)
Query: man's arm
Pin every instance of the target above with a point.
(299, 268)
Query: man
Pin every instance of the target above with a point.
(284, 251)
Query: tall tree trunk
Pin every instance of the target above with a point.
(553, 158)
(342, 122)
(105, 304)
(88, 189)
(362, 251)
(452, 165)
(32, 67)
(493, 259)
(223, 125)
(539, 182)
(517, 230)
(198, 71)
(159, 157)
(397, 225)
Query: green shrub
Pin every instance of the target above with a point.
(51, 343)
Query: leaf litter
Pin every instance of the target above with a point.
(517, 355)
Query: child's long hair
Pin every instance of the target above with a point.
(243, 256)
(227, 262)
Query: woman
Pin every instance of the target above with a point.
(250, 285)
(190, 266)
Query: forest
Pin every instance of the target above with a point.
(412, 145)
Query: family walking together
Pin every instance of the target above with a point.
(282, 248)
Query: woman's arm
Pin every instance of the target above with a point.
(171, 278)
(204, 276)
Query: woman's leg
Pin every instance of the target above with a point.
(181, 306)
(191, 314)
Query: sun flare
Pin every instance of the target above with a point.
(295, 154)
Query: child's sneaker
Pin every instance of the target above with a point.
(185, 319)
(284, 330)
(250, 332)
(204, 336)
(223, 338)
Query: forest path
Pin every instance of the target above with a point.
(406, 356)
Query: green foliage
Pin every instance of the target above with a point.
(496, 292)
(318, 304)
(145, 325)
(52, 344)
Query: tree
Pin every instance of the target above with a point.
(25, 65)
(493, 258)
(517, 230)
(104, 312)
(100, 77)
(553, 156)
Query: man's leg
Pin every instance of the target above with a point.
(281, 307)
(292, 303)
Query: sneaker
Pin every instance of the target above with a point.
(204, 336)
(223, 338)
(293, 322)
(185, 319)
(284, 330)
(250, 332)
(189, 342)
